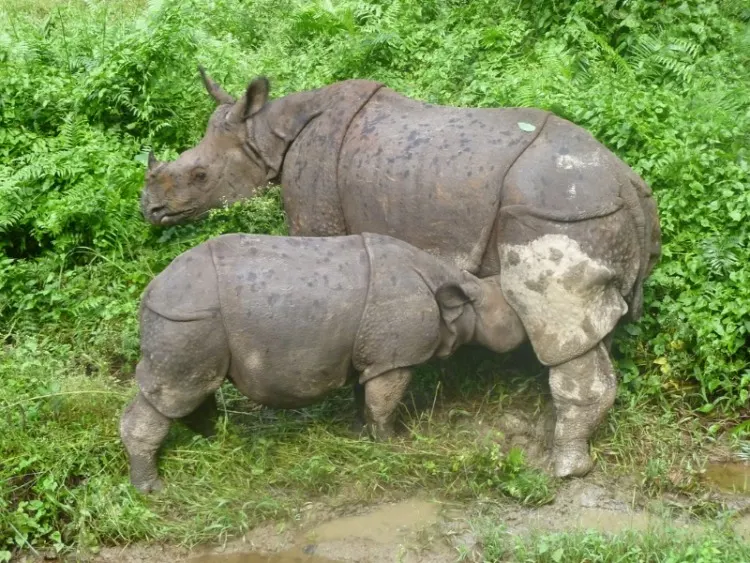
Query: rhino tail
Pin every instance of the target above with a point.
(641, 206)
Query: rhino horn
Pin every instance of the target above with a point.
(214, 89)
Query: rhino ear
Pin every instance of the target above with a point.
(256, 96)
(252, 102)
(451, 296)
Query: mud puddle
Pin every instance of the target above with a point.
(385, 525)
(730, 477)
(388, 532)
(424, 531)
(289, 556)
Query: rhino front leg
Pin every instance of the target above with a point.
(382, 396)
(360, 421)
(142, 430)
(583, 390)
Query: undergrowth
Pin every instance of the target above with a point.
(87, 88)
(671, 546)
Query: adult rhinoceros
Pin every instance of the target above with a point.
(571, 229)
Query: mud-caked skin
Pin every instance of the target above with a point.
(570, 229)
(288, 319)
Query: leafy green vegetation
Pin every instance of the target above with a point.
(87, 88)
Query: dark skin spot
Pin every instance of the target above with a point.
(513, 258)
(537, 286)
(567, 385)
(573, 276)
(555, 255)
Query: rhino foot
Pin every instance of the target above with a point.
(572, 460)
(143, 474)
(149, 486)
(142, 430)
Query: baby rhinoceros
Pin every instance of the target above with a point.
(290, 319)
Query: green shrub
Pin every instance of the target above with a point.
(85, 94)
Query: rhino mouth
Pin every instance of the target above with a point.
(173, 217)
(166, 217)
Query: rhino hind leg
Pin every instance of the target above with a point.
(142, 430)
(382, 396)
(182, 365)
(583, 390)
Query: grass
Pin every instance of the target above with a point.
(64, 475)
(669, 546)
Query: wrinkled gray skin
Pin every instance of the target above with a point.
(572, 231)
(289, 319)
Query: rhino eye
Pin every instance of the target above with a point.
(199, 175)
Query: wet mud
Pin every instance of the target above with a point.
(422, 530)
(730, 477)
(288, 556)
(427, 529)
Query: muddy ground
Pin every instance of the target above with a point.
(427, 529)
(424, 529)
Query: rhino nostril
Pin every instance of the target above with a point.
(154, 209)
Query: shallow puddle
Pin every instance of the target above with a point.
(291, 556)
(729, 477)
(611, 521)
(385, 524)
(373, 536)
